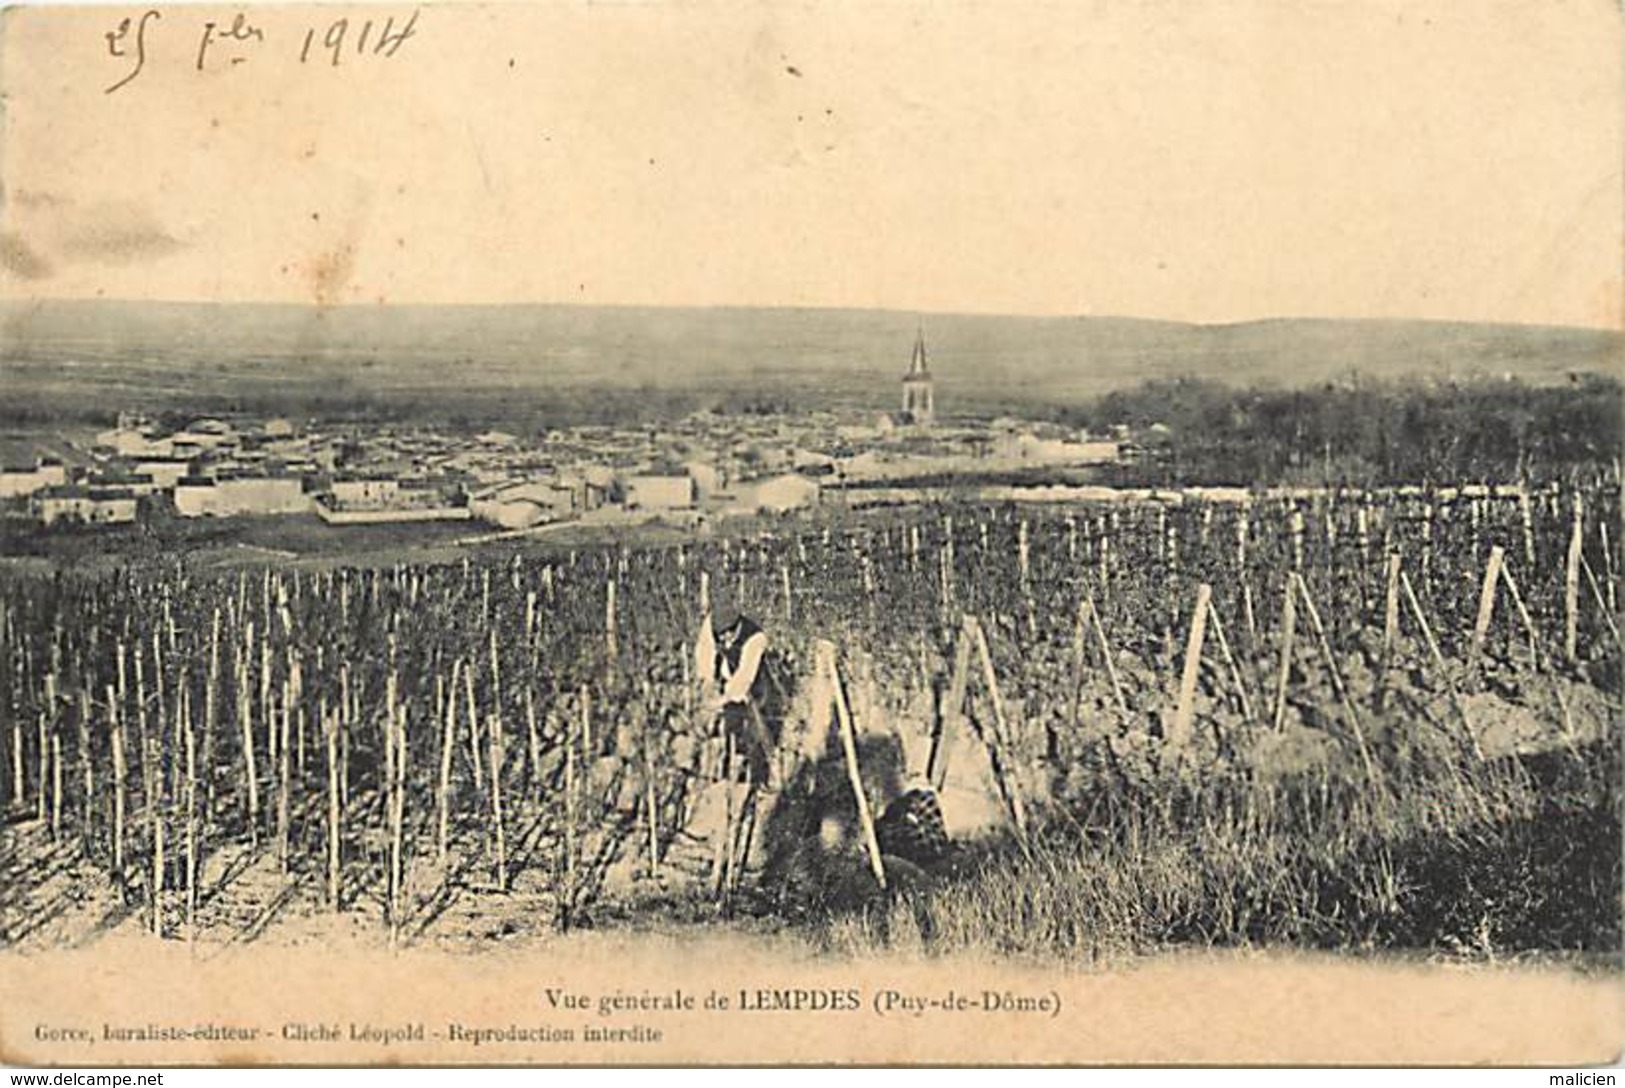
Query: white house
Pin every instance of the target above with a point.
(708, 479)
(133, 442)
(165, 472)
(279, 494)
(778, 494)
(93, 506)
(527, 504)
(1028, 448)
(660, 492)
(515, 513)
(204, 435)
(366, 491)
(19, 480)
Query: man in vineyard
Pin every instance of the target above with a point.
(728, 660)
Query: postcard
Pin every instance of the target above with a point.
(708, 533)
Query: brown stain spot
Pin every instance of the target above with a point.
(119, 238)
(241, 1059)
(329, 272)
(309, 152)
(38, 198)
(21, 259)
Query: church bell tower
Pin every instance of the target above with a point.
(919, 394)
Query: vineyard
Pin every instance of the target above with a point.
(1344, 720)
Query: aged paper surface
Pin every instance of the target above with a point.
(441, 276)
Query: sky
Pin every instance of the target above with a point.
(1210, 162)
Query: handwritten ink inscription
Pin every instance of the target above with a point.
(226, 44)
(120, 45)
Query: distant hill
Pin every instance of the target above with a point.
(124, 351)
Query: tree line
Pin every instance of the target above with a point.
(1363, 433)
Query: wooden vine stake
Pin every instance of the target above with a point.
(849, 748)
(1526, 520)
(1289, 626)
(151, 783)
(1230, 663)
(446, 703)
(1486, 602)
(397, 845)
(47, 728)
(473, 726)
(723, 857)
(155, 818)
(1390, 609)
(190, 741)
(1571, 585)
(744, 831)
(953, 709)
(611, 644)
(1608, 567)
(499, 833)
(347, 716)
(284, 791)
(330, 738)
(87, 766)
(1179, 736)
(1535, 660)
(533, 739)
(1000, 741)
(388, 786)
(56, 786)
(1439, 662)
(567, 900)
(247, 722)
(19, 794)
(1524, 618)
(1337, 677)
(117, 729)
(1602, 604)
(651, 791)
(1390, 627)
(1106, 654)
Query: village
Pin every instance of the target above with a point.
(703, 466)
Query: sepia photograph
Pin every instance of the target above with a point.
(705, 533)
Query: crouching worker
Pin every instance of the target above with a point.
(728, 660)
(912, 828)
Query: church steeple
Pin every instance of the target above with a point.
(917, 366)
(919, 400)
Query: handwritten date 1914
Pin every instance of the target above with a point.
(228, 44)
(337, 39)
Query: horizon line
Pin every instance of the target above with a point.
(910, 312)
